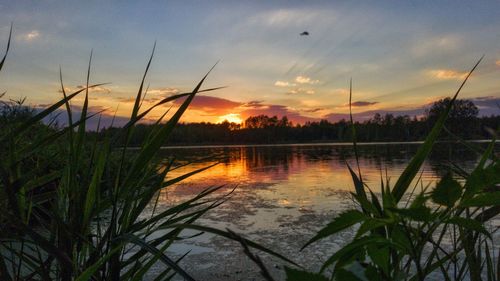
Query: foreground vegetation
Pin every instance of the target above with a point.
(74, 208)
(80, 208)
(417, 232)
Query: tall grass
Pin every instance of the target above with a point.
(85, 218)
(411, 233)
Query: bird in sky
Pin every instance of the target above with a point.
(304, 33)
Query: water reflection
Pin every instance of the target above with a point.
(286, 193)
(305, 175)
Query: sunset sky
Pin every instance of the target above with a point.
(401, 55)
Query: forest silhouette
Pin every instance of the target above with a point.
(262, 129)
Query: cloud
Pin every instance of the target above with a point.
(305, 80)
(314, 110)
(98, 89)
(30, 36)
(285, 18)
(166, 91)
(283, 84)
(278, 110)
(254, 104)
(211, 105)
(66, 89)
(363, 103)
(447, 74)
(488, 105)
(105, 118)
(301, 91)
(446, 43)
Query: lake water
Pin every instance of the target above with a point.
(284, 194)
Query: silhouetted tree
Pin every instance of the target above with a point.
(264, 129)
(462, 120)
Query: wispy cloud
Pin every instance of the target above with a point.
(30, 36)
(66, 89)
(290, 17)
(211, 105)
(254, 104)
(313, 110)
(447, 74)
(283, 84)
(446, 42)
(301, 91)
(166, 91)
(305, 80)
(98, 89)
(363, 103)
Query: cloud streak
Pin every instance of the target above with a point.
(305, 80)
(363, 103)
(447, 74)
(283, 84)
(98, 89)
(211, 105)
(301, 91)
(30, 36)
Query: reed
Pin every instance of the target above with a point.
(75, 207)
(413, 232)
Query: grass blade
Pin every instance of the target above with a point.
(423, 151)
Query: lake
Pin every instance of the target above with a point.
(284, 194)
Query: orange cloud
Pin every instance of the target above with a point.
(211, 105)
(163, 91)
(305, 80)
(98, 89)
(447, 74)
(300, 91)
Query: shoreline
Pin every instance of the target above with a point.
(306, 144)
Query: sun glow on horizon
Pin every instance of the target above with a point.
(231, 117)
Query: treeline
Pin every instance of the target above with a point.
(463, 122)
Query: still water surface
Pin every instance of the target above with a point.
(305, 175)
(285, 193)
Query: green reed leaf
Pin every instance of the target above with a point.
(423, 151)
(343, 221)
(447, 191)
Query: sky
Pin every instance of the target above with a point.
(401, 55)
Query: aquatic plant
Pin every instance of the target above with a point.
(92, 216)
(411, 233)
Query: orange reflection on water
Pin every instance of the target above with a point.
(289, 175)
(302, 175)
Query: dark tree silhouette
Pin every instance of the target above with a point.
(462, 120)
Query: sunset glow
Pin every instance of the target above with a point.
(231, 118)
(420, 55)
